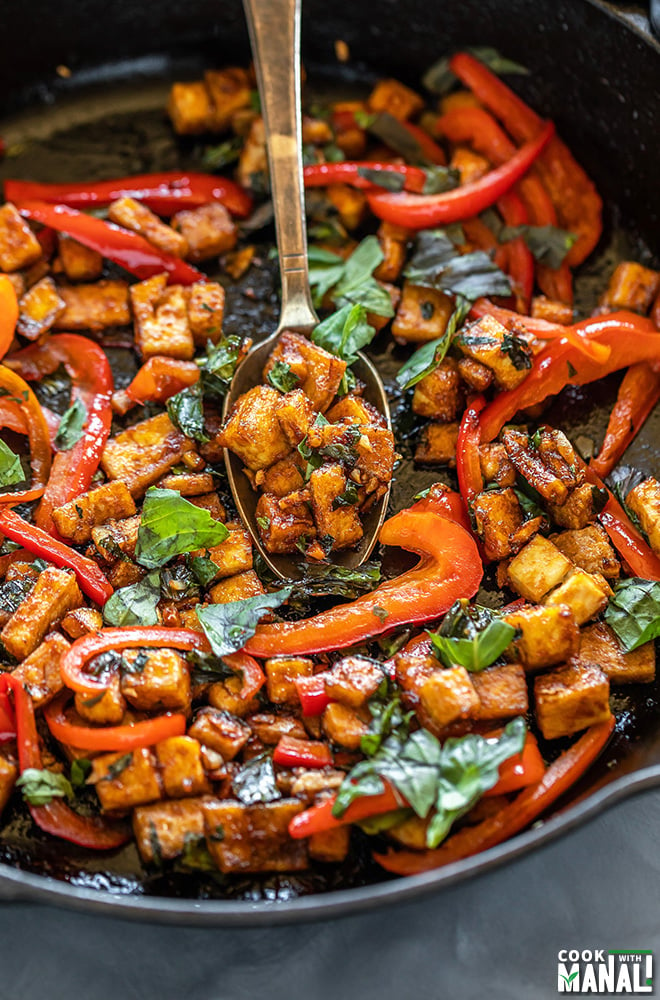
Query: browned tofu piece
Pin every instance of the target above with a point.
(206, 309)
(212, 503)
(528, 461)
(117, 538)
(395, 98)
(208, 230)
(161, 319)
(190, 108)
(493, 345)
(331, 846)
(320, 372)
(141, 455)
(631, 286)
(448, 695)
(80, 263)
(125, 573)
(550, 635)
(343, 726)
(156, 679)
(440, 395)
(470, 165)
(580, 508)
(355, 410)
(499, 518)
(551, 310)
(537, 568)
(238, 261)
(236, 588)
(131, 214)
(124, 780)
(55, 593)
(252, 171)
(600, 646)
(93, 307)
(341, 523)
(270, 728)
(394, 254)
(283, 522)
(108, 710)
(188, 484)
(375, 458)
(81, 621)
(422, 315)
(296, 414)
(502, 692)
(40, 671)
(496, 466)
(38, 309)
(475, 374)
(590, 549)
(281, 673)
(221, 731)
(230, 90)
(254, 838)
(164, 829)
(437, 445)
(253, 431)
(282, 477)
(644, 501)
(351, 204)
(353, 680)
(584, 593)
(75, 520)
(571, 698)
(181, 771)
(232, 556)
(8, 776)
(226, 697)
(19, 247)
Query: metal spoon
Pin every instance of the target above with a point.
(274, 27)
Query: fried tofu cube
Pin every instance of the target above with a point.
(375, 462)
(181, 771)
(210, 502)
(226, 697)
(549, 482)
(75, 519)
(282, 477)
(341, 523)
(156, 679)
(350, 203)
(498, 517)
(437, 445)
(296, 414)
(81, 621)
(188, 484)
(80, 263)
(448, 695)
(161, 319)
(330, 846)
(252, 430)
(422, 315)
(475, 374)
(230, 91)
(38, 309)
(117, 538)
(208, 230)
(164, 829)
(470, 165)
(394, 254)
(584, 593)
(502, 692)
(252, 169)
(40, 671)
(440, 395)
(551, 310)
(19, 247)
(590, 549)
(254, 838)
(93, 307)
(108, 710)
(550, 635)
(343, 726)
(220, 731)
(320, 372)
(493, 345)
(270, 729)
(537, 568)
(395, 98)
(355, 410)
(571, 698)
(124, 780)
(631, 286)
(190, 108)
(232, 556)
(284, 522)
(206, 308)
(8, 776)
(55, 593)
(281, 673)
(353, 680)
(496, 466)
(142, 454)
(644, 501)
(580, 508)
(131, 214)
(600, 646)
(125, 573)
(237, 588)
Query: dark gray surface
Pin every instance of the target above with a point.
(496, 936)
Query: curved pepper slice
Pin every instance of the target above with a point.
(8, 313)
(160, 378)
(449, 568)
(638, 394)
(348, 172)
(20, 410)
(468, 465)
(520, 265)
(126, 737)
(543, 329)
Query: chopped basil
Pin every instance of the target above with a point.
(216, 370)
(427, 358)
(137, 665)
(282, 378)
(548, 244)
(11, 470)
(135, 604)
(178, 583)
(255, 781)
(439, 179)
(381, 614)
(117, 767)
(40, 787)
(229, 626)
(186, 411)
(517, 350)
(337, 581)
(217, 157)
(479, 651)
(364, 119)
(621, 481)
(264, 523)
(437, 264)
(634, 612)
(80, 771)
(171, 526)
(204, 570)
(325, 270)
(387, 718)
(71, 426)
(351, 280)
(395, 135)
(439, 78)
(348, 498)
(391, 180)
(205, 668)
(344, 332)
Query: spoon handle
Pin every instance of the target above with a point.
(274, 27)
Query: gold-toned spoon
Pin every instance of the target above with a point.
(274, 27)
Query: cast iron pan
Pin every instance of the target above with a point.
(596, 68)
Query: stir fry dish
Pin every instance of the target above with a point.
(157, 683)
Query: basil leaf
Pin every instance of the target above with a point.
(549, 244)
(186, 411)
(229, 626)
(427, 358)
(135, 604)
(205, 668)
(439, 179)
(621, 481)
(255, 782)
(478, 652)
(634, 612)
(387, 718)
(352, 279)
(41, 787)
(80, 771)
(437, 264)
(344, 332)
(217, 157)
(439, 79)
(321, 580)
(395, 135)
(218, 368)
(11, 470)
(71, 426)
(171, 525)
(390, 180)
(282, 378)
(325, 270)
(204, 570)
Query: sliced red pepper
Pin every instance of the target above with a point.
(312, 694)
(20, 410)
(429, 147)
(7, 719)
(130, 250)
(521, 259)
(556, 283)
(348, 172)
(8, 313)
(91, 383)
(468, 464)
(160, 378)
(449, 568)
(543, 329)
(292, 752)
(638, 394)
(253, 676)
(91, 579)
(319, 818)
(441, 500)
(521, 770)
(106, 738)
(164, 193)
(525, 808)
(424, 211)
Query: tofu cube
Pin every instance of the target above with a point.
(600, 646)
(270, 729)
(79, 262)
(375, 458)
(355, 410)
(208, 230)
(252, 168)
(631, 286)
(163, 829)
(585, 594)
(190, 108)
(236, 588)
(81, 621)
(340, 523)
(117, 538)
(108, 710)
(230, 91)
(281, 673)
(8, 776)
(496, 466)
(39, 672)
(232, 556)
(440, 395)
(188, 484)
(477, 376)
(644, 501)
(571, 698)
(181, 771)
(437, 445)
(394, 255)
(110, 501)
(493, 345)
(422, 315)
(395, 98)
(283, 522)
(343, 726)
(206, 308)
(141, 455)
(320, 373)
(296, 414)
(581, 507)
(19, 247)
(470, 165)
(124, 780)
(156, 680)
(253, 431)
(226, 697)
(448, 695)
(498, 517)
(220, 731)
(537, 568)
(502, 692)
(551, 310)
(131, 214)
(161, 319)
(93, 307)
(589, 548)
(331, 846)
(55, 593)
(282, 477)
(550, 635)
(350, 204)
(353, 680)
(254, 838)
(38, 309)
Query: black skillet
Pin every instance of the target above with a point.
(83, 89)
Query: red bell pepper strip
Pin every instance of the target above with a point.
(107, 738)
(468, 465)
(7, 719)
(429, 147)
(525, 808)
(638, 394)
(91, 579)
(578, 204)
(348, 172)
(441, 500)
(20, 411)
(312, 695)
(56, 817)
(521, 770)
(543, 329)
(556, 283)
(91, 383)
(424, 211)
(319, 818)
(164, 193)
(253, 676)
(130, 250)
(521, 259)
(479, 235)
(292, 752)
(631, 338)
(8, 313)
(449, 568)
(160, 378)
